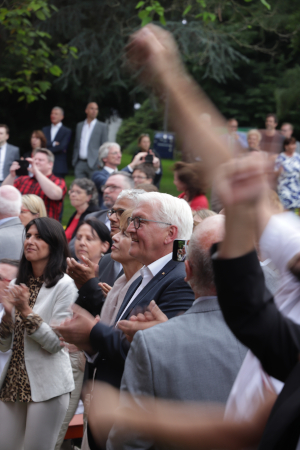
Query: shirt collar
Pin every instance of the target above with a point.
(205, 297)
(58, 125)
(110, 170)
(157, 265)
(92, 123)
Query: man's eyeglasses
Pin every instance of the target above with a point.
(138, 177)
(137, 221)
(118, 212)
(111, 188)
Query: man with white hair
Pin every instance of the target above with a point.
(208, 356)
(157, 220)
(11, 228)
(109, 159)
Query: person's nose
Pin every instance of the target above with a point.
(130, 228)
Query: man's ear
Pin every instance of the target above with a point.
(188, 270)
(172, 234)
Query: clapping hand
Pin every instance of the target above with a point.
(81, 273)
(105, 288)
(153, 316)
(18, 297)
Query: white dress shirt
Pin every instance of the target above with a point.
(54, 130)
(280, 241)
(148, 272)
(2, 159)
(86, 132)
(110, 170)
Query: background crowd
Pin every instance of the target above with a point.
(105, 300)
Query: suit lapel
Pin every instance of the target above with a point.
(155, 280)
(128, 295)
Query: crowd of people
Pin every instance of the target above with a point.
(190, 346)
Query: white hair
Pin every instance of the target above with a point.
(131, 194)
(104, 150)
(10, 201)
(169, 209)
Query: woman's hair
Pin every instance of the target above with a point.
(89, 187)
(147, 169)
(52, 232)
(141, 136)
(256, 132)
(192, 176)
(123, 219)
(39, 134)
(98, 228)
(35, 204)
(289, 141)
(204, 213)
(147, 187)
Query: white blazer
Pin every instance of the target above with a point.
(47, 363)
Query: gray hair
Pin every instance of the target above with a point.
(128, 182)
(131, 194)
(208, 232)
(60, 109)
(104, 150)
(10, 201)
(89, 187)
(256, 132)
(169, 209)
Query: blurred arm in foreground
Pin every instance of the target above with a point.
(152, 52)
(184, 425)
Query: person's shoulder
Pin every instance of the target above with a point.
(66, 282)
(12, 147)
(66, 129)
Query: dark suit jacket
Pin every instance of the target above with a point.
(11, 155)
(273, 338)
(63, 136)
(99, 178)
(97, 138)
(171, 293)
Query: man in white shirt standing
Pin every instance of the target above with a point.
(58, 137)
(8, 153)
(90, 135)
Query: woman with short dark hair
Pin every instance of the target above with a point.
(92, 240)
(37, 380)
(189, 178)
(287, 167)
(84, 198)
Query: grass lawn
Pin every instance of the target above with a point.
(166, 184)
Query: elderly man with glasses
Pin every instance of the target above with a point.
(157, 220)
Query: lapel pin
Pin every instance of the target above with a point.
(163, 273)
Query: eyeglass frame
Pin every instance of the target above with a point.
(140, 219)
(112, 211)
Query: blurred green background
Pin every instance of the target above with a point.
(166, 184)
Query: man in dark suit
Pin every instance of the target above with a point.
(8, 153)
(58, 137)
(273, 338)
(153, 232)
(203, 342)
(90, 135)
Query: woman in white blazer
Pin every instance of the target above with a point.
(36, 382)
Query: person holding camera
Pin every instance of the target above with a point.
(43, 183)
(147, 156)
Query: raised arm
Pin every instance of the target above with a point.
(153, 51)
(247, 306)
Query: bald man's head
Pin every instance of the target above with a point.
(198, 265)
(10, 202)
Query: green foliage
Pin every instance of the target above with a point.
(147, 119)
(27, 46)
(148, 10)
